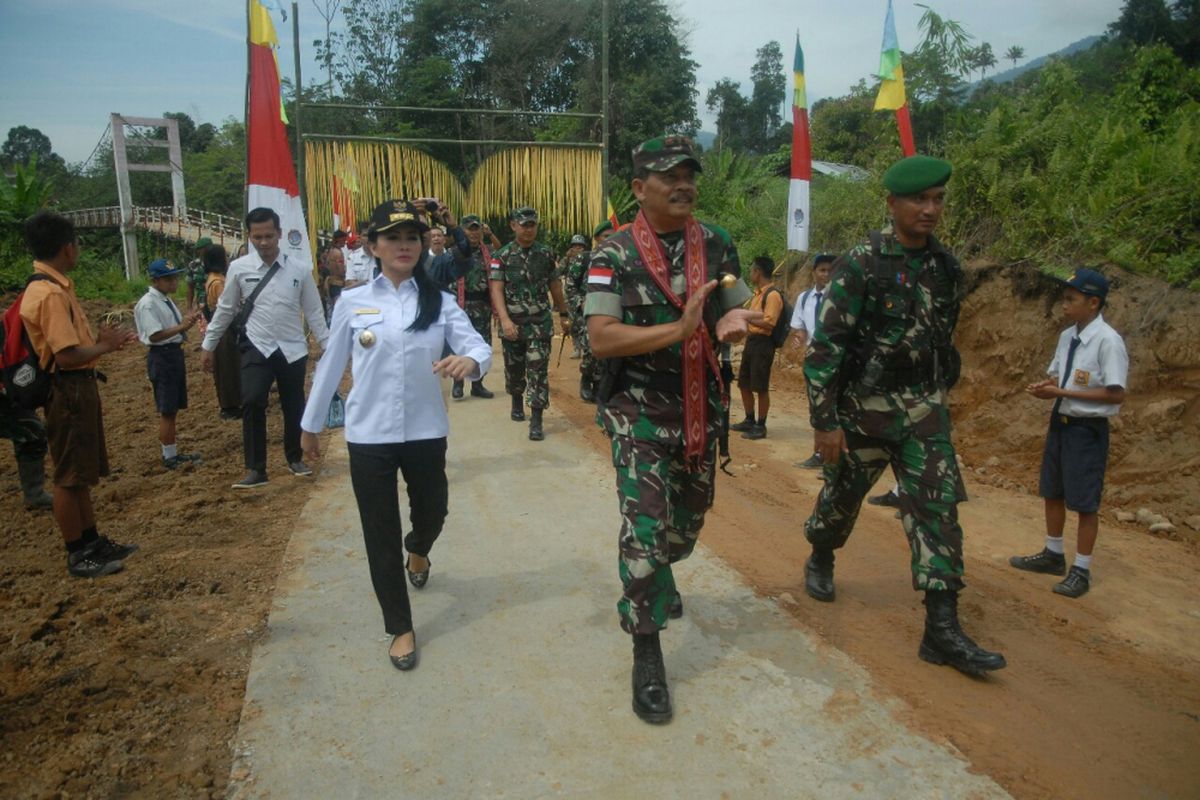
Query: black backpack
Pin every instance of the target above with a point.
(25, 382)
(779, 334)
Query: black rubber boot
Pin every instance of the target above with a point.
(457, 391)
(676, 609)
(518, 408)
(586, 393)
(33, 485)
(651, 697)
(478, 390)
(535, 425)
(818, 575)
(945, 643)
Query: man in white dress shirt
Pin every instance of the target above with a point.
(272, 342)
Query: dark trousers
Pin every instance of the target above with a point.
(373, 470)
(258, 373)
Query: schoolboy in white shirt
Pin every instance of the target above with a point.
(1087, 382)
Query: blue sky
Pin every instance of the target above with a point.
(65, 65)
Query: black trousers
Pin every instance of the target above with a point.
(373, 470)
(258, 373)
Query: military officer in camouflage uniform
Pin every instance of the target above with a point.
(474, 296)
(879, 367)
(522, 272)
(575, 285)
(649, 312)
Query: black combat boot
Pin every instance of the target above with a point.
(457, 391)
(535, 425)
(33, 485)
(676, 609)
(518, 409)
(478, 390)
(945, 643)
(586, 393)
(818, 575)
(651, 697)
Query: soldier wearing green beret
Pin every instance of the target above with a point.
(650, 314)
(879, 368)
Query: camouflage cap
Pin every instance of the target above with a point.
(601, 228)
(579, 239)
(470, 221)
(915, 174)
(523, 214)
(663, 152)
(394, 213)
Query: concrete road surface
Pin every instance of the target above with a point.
(523, 685)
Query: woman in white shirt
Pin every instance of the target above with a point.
(393, 328)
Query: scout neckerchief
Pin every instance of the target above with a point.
(462, 282)
(697, 347)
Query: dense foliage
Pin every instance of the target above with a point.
(1092, 158)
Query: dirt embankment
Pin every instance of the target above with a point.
(1007, 333)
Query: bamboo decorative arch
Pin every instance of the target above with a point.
(562, 183)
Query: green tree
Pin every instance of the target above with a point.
(1014, 54)
(984, 59)
(1144, 22)
(770, 89)
(725, 100)
(25, 143)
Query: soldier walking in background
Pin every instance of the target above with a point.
(575, 286)
(662, 402)
(879, 368)
(522, 272)
(473, 296)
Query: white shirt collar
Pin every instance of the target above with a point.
(1092, 329)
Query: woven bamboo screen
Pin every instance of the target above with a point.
(563, 184)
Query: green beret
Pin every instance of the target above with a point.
(601, 228)
(915, 174)
(203, 241)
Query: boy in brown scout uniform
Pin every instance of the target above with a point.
(59, 332)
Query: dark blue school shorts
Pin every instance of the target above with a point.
(168, 375)
(1074, 460)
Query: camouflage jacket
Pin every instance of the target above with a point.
(574, 272)
(879, 359)
(618, 285)
(477, 278)
(527, 273)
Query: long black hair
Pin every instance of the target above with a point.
(429, 296)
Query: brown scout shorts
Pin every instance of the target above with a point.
(75, 430)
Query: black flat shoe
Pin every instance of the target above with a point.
(418, 579)
(407, 661)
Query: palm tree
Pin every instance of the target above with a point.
(1015, 54)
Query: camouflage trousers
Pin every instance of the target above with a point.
(589, 365)
(480, 314)
(527, 361)
(931, 489)
(662, 512)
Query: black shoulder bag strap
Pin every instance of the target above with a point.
(239, 322)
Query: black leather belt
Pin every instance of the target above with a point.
(476, 297)
(1094, 422)
(669, 382)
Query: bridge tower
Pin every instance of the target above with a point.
(123, 167)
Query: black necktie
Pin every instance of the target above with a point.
(1066, 371)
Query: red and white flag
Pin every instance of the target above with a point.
(270, 175)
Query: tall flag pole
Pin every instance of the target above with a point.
(270, 173)
(798, 218)
(891, 91)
